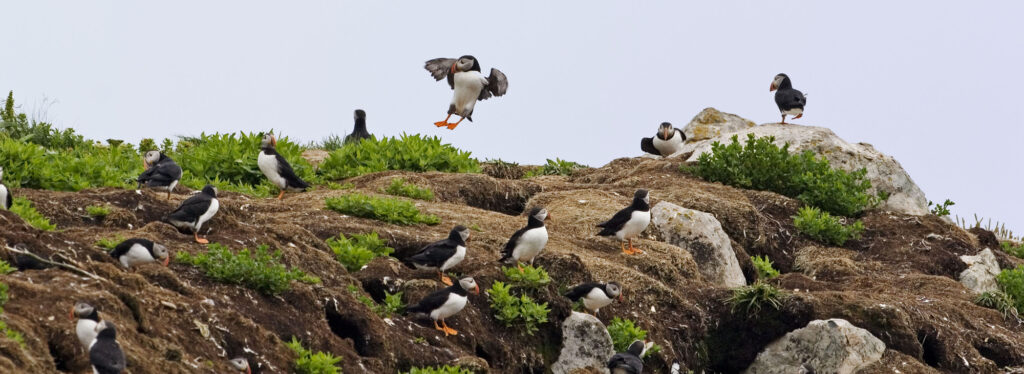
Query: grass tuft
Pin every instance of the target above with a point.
(260, 270)
(27, 211)
(399, 187)
(825, 228)
(389, 210)
(556, 167)
(751, 299)
(530, 277)
(97, 211)
(764, 267)
(1000, 301)
(313, 363)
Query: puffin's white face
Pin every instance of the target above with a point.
(469, 284)
(1, 174)
(161, 253)
(103, 325)
(777, 82)
(665, 129)
(269, 140)
(240, 364)
(151, 157)
(542, 215)
(614, 291)
(464, 233)
(463, 64)
(82, 309)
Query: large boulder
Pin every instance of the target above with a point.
(710, 123)
(702, 235)
(586, 345)
(883, 171)
(981, 273)
(824, 346)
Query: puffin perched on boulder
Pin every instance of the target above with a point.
(87, 319)
(443, 254)
(527, 242)
(6, 200)
(195, 211)
(240, 364)
(468, 84)
(162, 173)
(595, 295)
(630, 221)
(277, 169)
(628, 362)
(138, 251)
(668, 141)
(444, 303)
(105, 354)
(789, 100)
(359, 130)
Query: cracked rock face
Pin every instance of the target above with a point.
(981, 273)
(824, 346)
(702, 235)
(585, 345)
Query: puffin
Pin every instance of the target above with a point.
(195, 211)
(445, 303)
(105, 354)
(468, 84)
(527, 242)
(668, 141)
(138, 251)
(789, 100)
(85, 327)
(628, 362)
(443, 254)
(6, 199)
(595, 295)
(277, 169)
(162, 173)
(359, 131)
(240, 364)
(630, 221)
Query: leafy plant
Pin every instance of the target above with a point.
(825, 228)
(624, 332)
(358, 250)
(97, 211)
(764, 267)
(530, 277)
(1011, 281)
(408, 152)
(754, 297)
(27, 211)
(19, 126)
(941, 209)
(313, 363)
(33, 166)
(556, 167)
(228, 161)
(392, 302)
(1017, 250)
(340, 186)
(399, 187)
(389, 210)
(7, 331)
(439, 370)
(109, 243)
(512, 310)
(1000, 301)
(260, 270)
(6, 268)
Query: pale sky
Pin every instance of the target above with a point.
(935, 84)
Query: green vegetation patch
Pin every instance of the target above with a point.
(941, 209)
(313, 363)
(399, 187)
(97, 211)
(259, 270)
(438, 370)
(1017, 250)
(624, 332)
(408, 152)
(764, 267)
(752, 298)
(556, 167)
(1011, 281)
(27, 211)
(228, 161)
(6, 330)
(520, 311)
(825, 228)
(358, 250)
(1000, 301)
(6, 268)
(529, 277)
(392, 302)
(390, 210)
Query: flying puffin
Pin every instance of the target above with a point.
(277, 169)
(595, 295)
(195, 211)
(630, 221)
(105, 354)
(789, 100)
(162, 173)
(85, 327)
(240, 364)
(138, 251)
(6, 200)
(359, 131)
(445, 303)
(443, 254)
(469, 84)
(668, 141)
(628, 362)
(526, 243)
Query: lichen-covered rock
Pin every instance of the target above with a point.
(981, 273)
(585, 345)
(710, 123)
(824, 346)
(702, 235)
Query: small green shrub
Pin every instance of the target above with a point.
(313, 363)
(556, 167)
(340, 186)
(1011, 281)
(752, 298)
(530, 277)
(6, 268)
(19, 126)
(1017, 250)
(358, 250)
(1000, 301)
(764, 267)
(392, 302)
(27, 211)
(329, 144)
(512, 310)
(389, 210)
(398, 187)
(408, 152)
(439, 370)
(260, 270)
(941, 209)
(109, 243)
(228, 161)
(624, 332)
(97, 212)
(33, 166)
(7, 331)
(825, 228)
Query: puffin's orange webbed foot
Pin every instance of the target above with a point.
(441, 124)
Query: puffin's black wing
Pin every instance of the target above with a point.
(647, 145)
(431, 302)
(10, 199)
(506, 253)
(681, 133)
(162, 173)
(285, 169)
(435, 254)
(126, 245)
(790, 99)
(439, 69)
(582, 290)
(107, 357)
(191, 209)
(615, 224)
(497, 84)
(626, 362)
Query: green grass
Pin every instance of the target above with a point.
(764, 267)
(228, 161)
(399, 187)
(6, 330)
(340, 186)
(390, 210)
(109, 243)
(624, 332)
(519, 311)
(27, 211)
(1000, 301)
(825, 228)
(1017, 250)
(259, 270)
(408, 152)
(6, 268)
(438, 370)
(751, 299)
(19, 126)
(1011, 281)
(556, 167)
(97, 211)
(313, 363)
(392, 302)
(358, 250)
(530, 277)
(941, 209)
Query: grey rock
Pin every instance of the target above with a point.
(700, 234)
(585, 345)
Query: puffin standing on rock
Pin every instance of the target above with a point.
(628, 362)
(195, 211)
(6, 200)
(359, 131)
(789, 100)
(138, 251)
(668, 141)
(445, 303)
(162, 173)
(526, 243)
(443, 254)
(85, 326)
(468, 84)
(105, 354)
(595, 295)
(630, 221)
(277, 169)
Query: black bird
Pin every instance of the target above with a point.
(240, 364)
(195, 211)
(6, 199)
(668, 141)
(162, 173)
(138, 251)
(789, 100)
(359, 131)
(628, 362)
(85, 327)
(630, 221)
(527, 242)
(445, 303)
(595, 295)
(468, 84)
(277, 169)
(105, 354)
(443, 254)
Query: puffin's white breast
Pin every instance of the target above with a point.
(214, 206)
(794, 111)
(596, 299)
(530, 244)
(453, 305)
(670, 146)
(637, 223)
(136, 255)
(86, 331)
(268, 165)
(3, 197)
(468, 85)
(460, 254)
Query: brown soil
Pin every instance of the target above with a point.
(898, 281)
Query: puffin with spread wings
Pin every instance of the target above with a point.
(468, 83)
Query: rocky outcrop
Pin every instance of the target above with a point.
(702, 235)
(884, 172)
(981, 273)
(585, 345)
(824, 346)
(710, 123)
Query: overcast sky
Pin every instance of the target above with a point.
(935, 84)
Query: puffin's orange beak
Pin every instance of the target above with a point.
(71, 315)
(476, 290)
(664, 133)
(548, 217)
(620, 296)
(273, 141)
(772, 88)
(453, 68)
(167, 260)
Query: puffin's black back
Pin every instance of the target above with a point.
(436, 299)
(582, 290)
(531, 223)
(195, 206)
(126, 245)
(612, 226)
(359, 131)
(106, 355)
